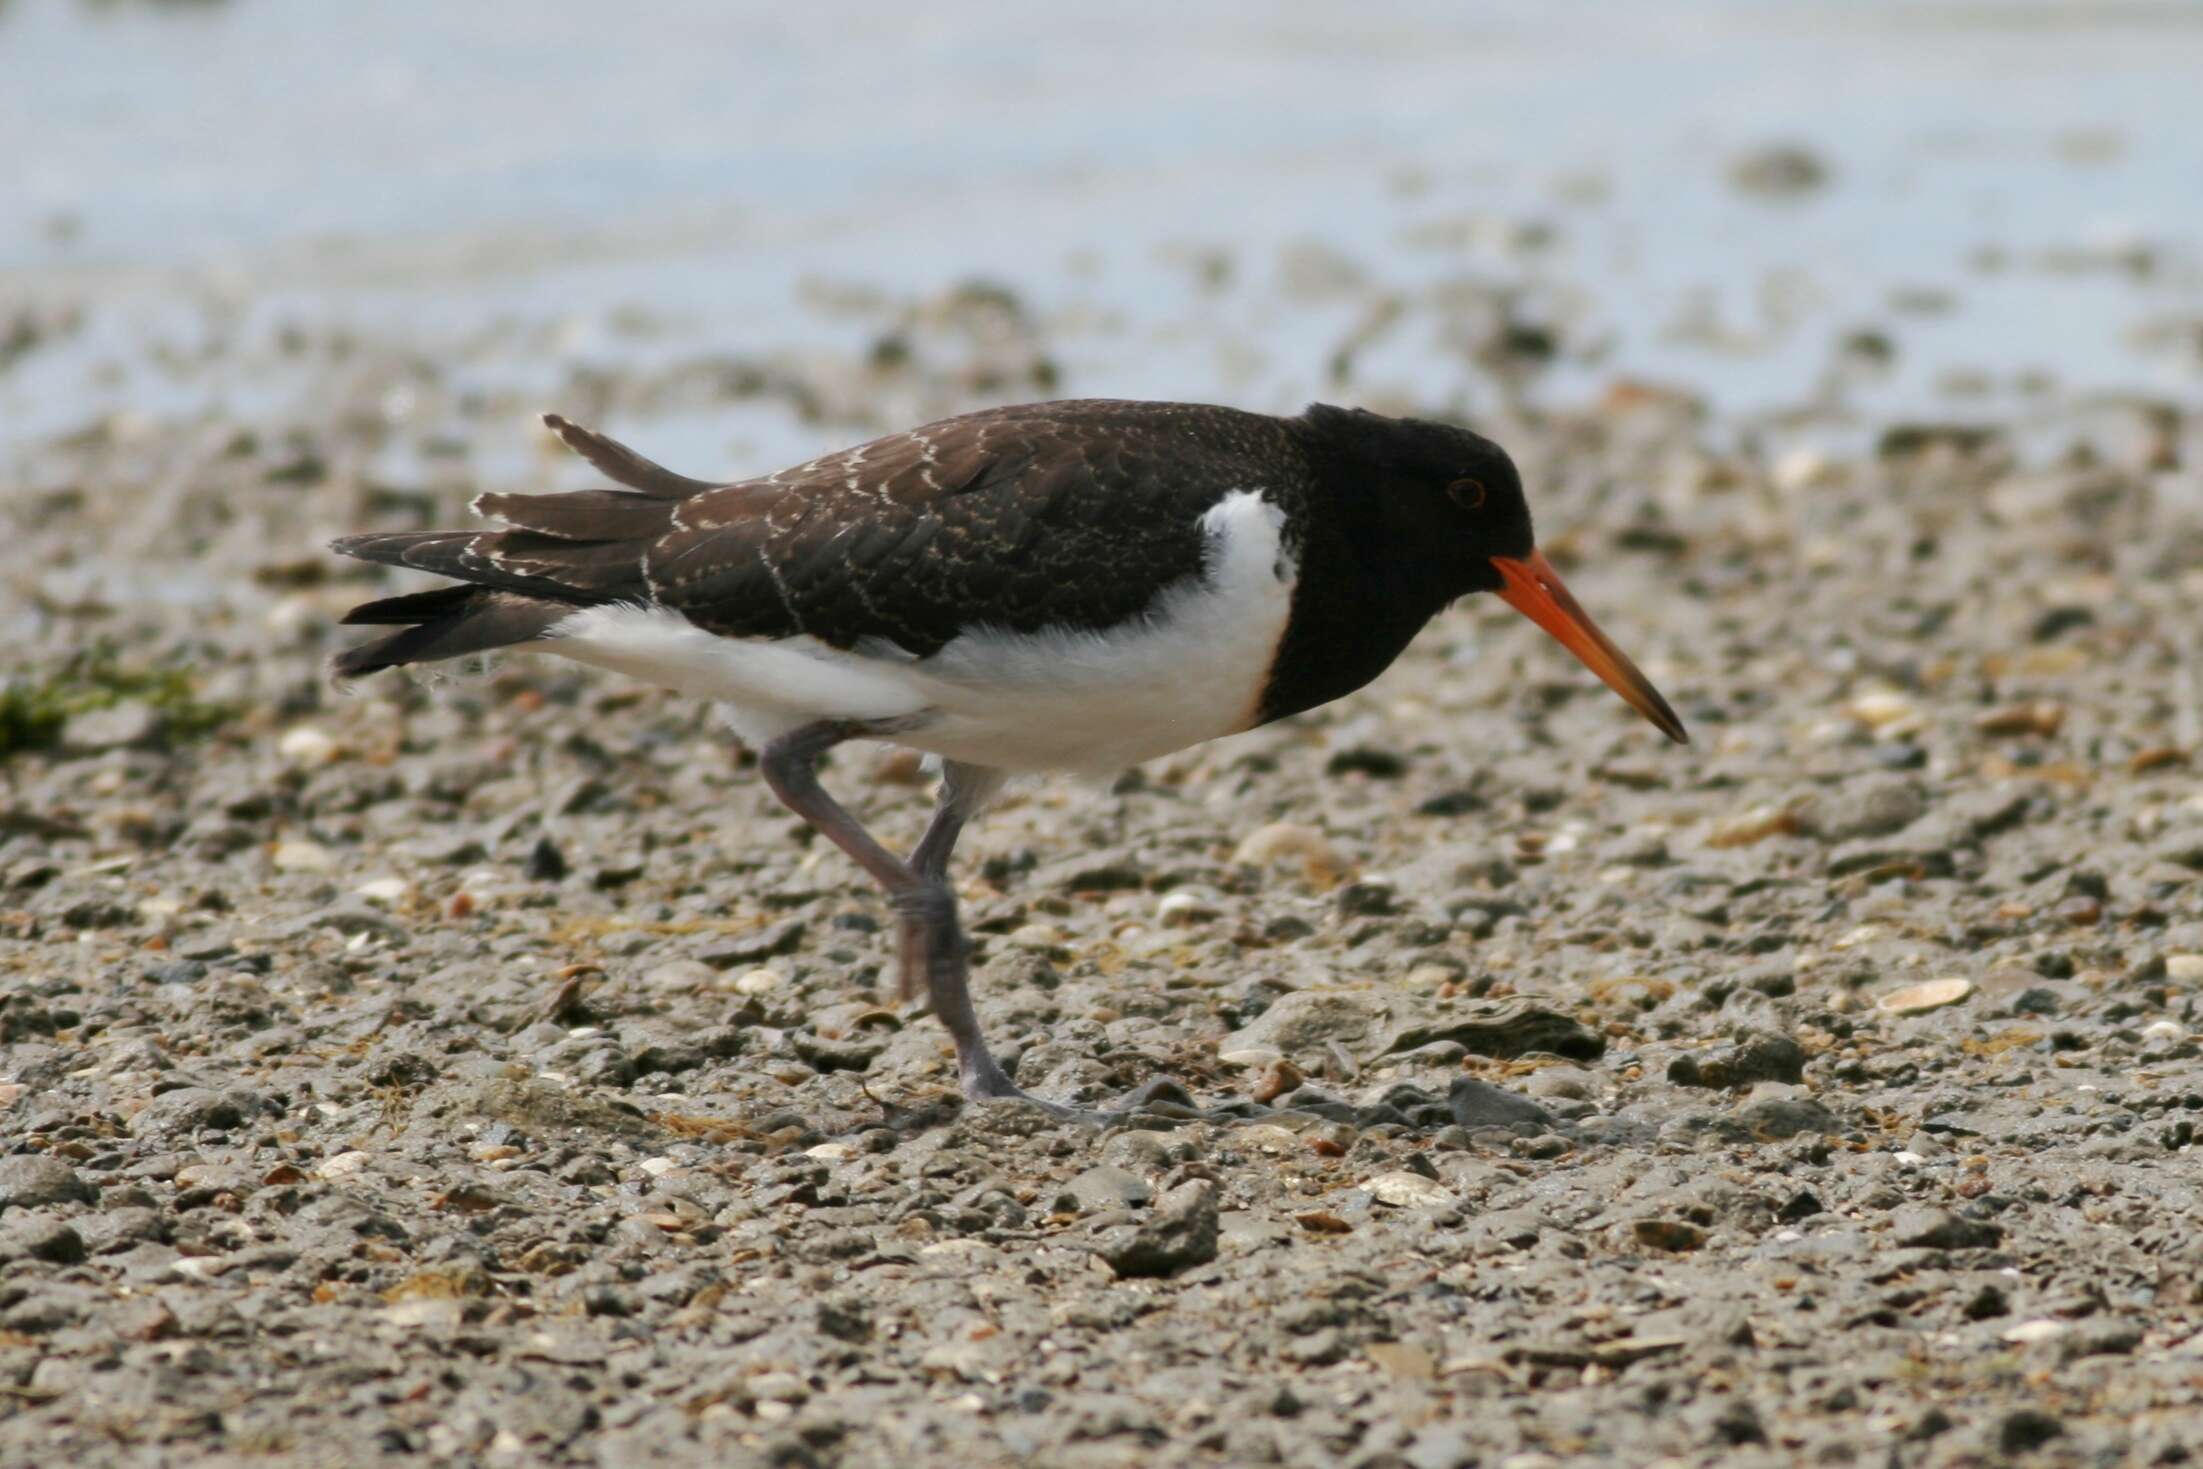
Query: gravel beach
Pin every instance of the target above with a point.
(483, 1069)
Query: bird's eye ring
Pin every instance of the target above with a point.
(1467, 493)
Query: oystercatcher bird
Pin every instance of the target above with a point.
(1075, 585)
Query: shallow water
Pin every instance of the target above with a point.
(2014, 192)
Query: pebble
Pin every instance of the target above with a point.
(50, 1240)
(1671, 1235)
(1886, 712)
(1180, 1232)
(1284, 842)
(680, 976)
(2027, 1333)
(33, 1180)
(1480, 1104)
(1039, 938)
(296, 854)
(2187, 968)
(131, 722)
(757, 982)
(1930, 994)
(1403, 1190)
(343, 1165)
(303, 744)
(188, 1109)
(387, 890)
(1752, 826)
(1108, 1187)
(1246, 1057)
(1184, 910)
(1925, 1227)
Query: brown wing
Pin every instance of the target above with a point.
(1073, 514)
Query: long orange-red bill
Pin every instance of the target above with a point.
(1536, 591)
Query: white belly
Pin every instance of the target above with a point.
(1059, 699)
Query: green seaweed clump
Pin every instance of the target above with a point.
(36, 704)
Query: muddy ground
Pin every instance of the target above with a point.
(482, 1069)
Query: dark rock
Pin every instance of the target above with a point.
(1924, 1227)
(845, 1318)
(1773, 1118)
(1738, 1423)
(546, 863)
(1479, 1104)
(1181, 1232)
(1671, 1235)
(32, 1180)
(43, 1239)
(2026, 1429)
(1873, 807)
(1749, 1060)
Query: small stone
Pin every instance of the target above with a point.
(1774, 1118)
(1041, 938)
(188, 1109)
(1180, 1233)
(1404, 1360)
(2039, 718)
(1924, 1227)
(296, 854)
(1184, 910)
(1403, 1190)
(303, 744)
(343, 1165)
(2187, 968)
(1885, 712)
(44, 1239)
(2026, 1429)
(124, 725)
(1873, 807)
(1672, 1235)
(32, 1180)
(1752, 826)
(1930, 994)
(1279, 1078)
(1480, 1104)
(1753, 1058)
(757, 982)
(387, 890)
(2028, 1333)
(546, 863)
(1247, 1057)
(1283, 843)
(1106, 1187)
(680, 976)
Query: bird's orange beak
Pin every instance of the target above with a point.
(1536, 591)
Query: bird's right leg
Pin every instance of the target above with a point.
(932, 942)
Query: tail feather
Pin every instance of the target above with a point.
(564, 552)
(482, 621)
(622, 465)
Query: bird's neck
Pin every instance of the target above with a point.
(1358, 601)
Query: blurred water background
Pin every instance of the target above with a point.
(1852, 210)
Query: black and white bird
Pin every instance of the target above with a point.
(1074, 586)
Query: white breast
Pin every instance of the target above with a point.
(1058, 699)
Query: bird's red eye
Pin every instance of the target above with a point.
(1467, 493)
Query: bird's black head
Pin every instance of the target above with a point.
(1446, 499)
(1439, 512)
